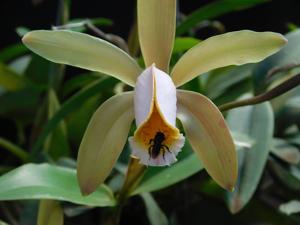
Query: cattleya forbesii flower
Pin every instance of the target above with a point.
(155, 103)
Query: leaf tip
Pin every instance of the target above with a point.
(86, 189)
(230, 188)
(26, 38)
(236, 205)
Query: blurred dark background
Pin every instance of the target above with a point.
(40, 14)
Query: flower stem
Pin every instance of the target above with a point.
(273, 93)
(134, 174)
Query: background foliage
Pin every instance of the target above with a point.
(45, 108)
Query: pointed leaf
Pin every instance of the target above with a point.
(285, 151)
(233, 48)
(84, 51)
(104, 140)
(57, 143)
(213, 10)
(44, 181)
(10, 80)
(157, 178)
(50, 213)
(155, 215)
(290, 207)
(256, 122)
(206, 130)
(68, 107)
(156, 26)
(289, 55)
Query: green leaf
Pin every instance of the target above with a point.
(157, 178)
(10, 80)
(69, 106)
(257, 122)
(29, 212)
(57, 143)
(285, 151)
(155, 215)
(12, 51)
(290, 207)
(50, 213)
(78, 120)
(21, 104)
(286, 177)
(21, 31)
(79, 82)
(44, 181)
(289, 55)
(214, 10)
(182, 44)
(223, 79)
(234, 92)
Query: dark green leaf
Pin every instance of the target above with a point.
(12, 51)
(155, 214)
(222, 80)
(79, 82)
(57, 143)
(285, 176)
(73, 103)
(44, 181)
(157, 178)
(10, 80)
(21, 104)
(214, 10)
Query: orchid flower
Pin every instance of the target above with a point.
(155, 102)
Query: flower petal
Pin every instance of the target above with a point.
(156, 141)
(209, 136)
(104, 140)
(84, 51)
(234, 48)
(144, 94)
(156, 26)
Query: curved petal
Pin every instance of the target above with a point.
(103, 141)
(145, 92)
(156, 26)
(156, 141)
(209, 136)
(234, 48)
(84, 51)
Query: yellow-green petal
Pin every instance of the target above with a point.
(234, 48)
(103, 141)
(206, 130)
(50, 213)
(156, 28)
(84, 51)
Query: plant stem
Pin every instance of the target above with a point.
(114, 39)
(14, 149)
(273, 93)
(134, 173)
